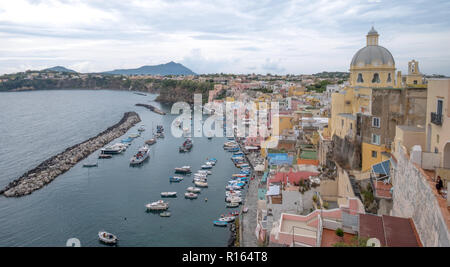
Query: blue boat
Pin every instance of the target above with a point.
(213, 159)
(232, 149)
(176, 179)
(127, 140)
(220, 223)
(206, 167)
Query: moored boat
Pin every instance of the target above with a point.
(190, 195)
(107, 238)
(150, 141)
(168, 194)
(193, 189)
(201, 184)
(141, 156)
(104, 156)
(227, 219)
(158, 205)
(90, 164)
(232, 205)
(206, 167)
(220, 223)
(165, 214)
(176, 179)
(184, 169)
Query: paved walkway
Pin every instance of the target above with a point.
(248, 237)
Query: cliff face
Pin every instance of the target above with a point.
(171, 91)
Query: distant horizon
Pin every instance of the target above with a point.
(279, 37)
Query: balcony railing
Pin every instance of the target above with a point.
(436, 118)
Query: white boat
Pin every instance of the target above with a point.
(184, 169)
(206, 167)
(234, 199)
(90, 164)
(198, 179)
(141, 129)
(227, 219)
(107, 238)
(158, 205)
(114, 149)
(200, 175)
(212, 163)
(233, 205)
(233, 193)
(143, 154)
(193, 189)
(136, 135)
(204, 172)
(190, 195)
(165, 214)
(201, 184)
(168, 194)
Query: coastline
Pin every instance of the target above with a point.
(51, 168)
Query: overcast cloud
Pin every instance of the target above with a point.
(227, 36)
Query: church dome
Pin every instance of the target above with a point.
(372, 55)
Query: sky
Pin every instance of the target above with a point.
(230, 36)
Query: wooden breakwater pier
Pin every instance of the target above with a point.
(152, 108)
(51, 168)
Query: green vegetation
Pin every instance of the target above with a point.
(318, 87)
(355, 242)
(340, 232)
(264, 90)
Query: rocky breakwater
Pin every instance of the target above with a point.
(152, 108)
(51, 168)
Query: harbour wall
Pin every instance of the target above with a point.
(51, 168)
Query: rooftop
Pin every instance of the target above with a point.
(329, 238)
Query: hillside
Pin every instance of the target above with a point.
(170, 68)
(60, 69)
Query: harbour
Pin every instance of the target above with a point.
(112, 196)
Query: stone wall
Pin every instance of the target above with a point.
(414, 198)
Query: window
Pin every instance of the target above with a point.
(375, 139)
(389, 79)
(376, 78)
(374, 154)
(351, 126)
(439, 107)
(376, 122)
(415, 81)
(360, 78)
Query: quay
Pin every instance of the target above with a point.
(51, 168)
(152, 108)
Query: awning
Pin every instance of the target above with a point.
(274, 190)
(382, 168)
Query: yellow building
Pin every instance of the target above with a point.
(364, 114)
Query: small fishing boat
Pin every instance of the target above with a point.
(159, 135)
(232, 205)
(90, 164)
(212, 159)
(199, 179)
(201, 184)
(206, 167)
(150, 141)
(190, 195)
(107, 238)
(186, 146)
(233, 199)
(232, 149)
(212, 163)
(126, 140)
(104, 156)
(184, 169)
(168, 194)
(136, 135)
(220, 223)
(245, 210)
(193, 189)
(165, 214)
(227, 219)
(158, 205)
(141, 129)
(159, 129)
(141, 156)
(176, 179)
(203, 172)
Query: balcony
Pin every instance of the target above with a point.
(436, 118)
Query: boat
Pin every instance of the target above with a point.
(190, 195)
(90, 165)
(143, 154)
(150, 141)
(245, 210)
(232, 205)
(168, 194)
(201, 184)
(233, 199)
(159, 129)
(205, 167)
(204, 172)
(126, 140)
(199, 179)
(220, 223)
(193, 189)
(176, 179)
(184, 169)
(230, 144)
(186, 146)
(141, 129)
(227, 219)
(136, 135)
(158, 205)
(159, 135)
(104, 156)
(212, 163)
(232, 149)
(113, 149)
(212, 159)
(165, 214)
(107, 238)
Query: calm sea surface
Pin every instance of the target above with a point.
(37, 125)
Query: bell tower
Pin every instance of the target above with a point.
(414, 76)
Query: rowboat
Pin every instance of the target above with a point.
(227, 219)
(220, 223)
(233, 205)
(165, 214)
(190, 195)
(194, 189)
(90, 165)
(168, 194)
(184, 169)
(107, 238)
(201, 184)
